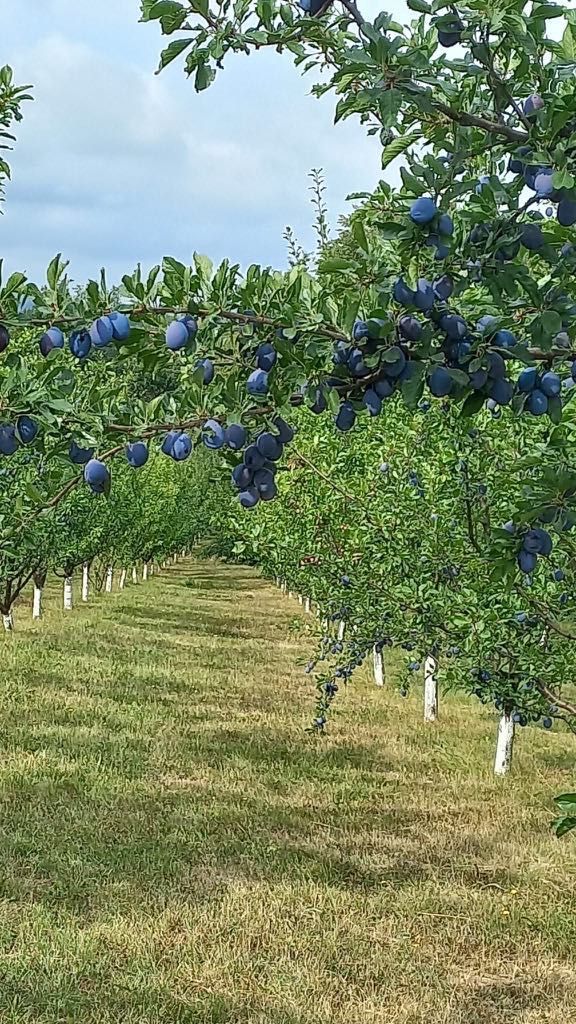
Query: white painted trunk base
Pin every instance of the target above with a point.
(145, 572)
(109, 579)
(8, 622)
(37, 603)
(341, 629)
(122, 582)
(68, 594)
(430, 689)
(134, 575)
(307, 605)
(85, 581)
(379, 674)
(504, 745)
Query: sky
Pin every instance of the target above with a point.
(115, 166)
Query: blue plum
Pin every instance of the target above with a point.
(102, 332)
(269, 446)
(249, 498)
(181, 448)
(51, 339)
(257, 383)
(346, 417)
(80, 344)
(207, 367)
(528, 379)
(402, 293)
(423, 210)
(213, 435)
(537, 403)
(235, 436)
(242, 476)
(167, 446)
(527, 561)
(9, 443)
(137, 454)
(4, 337)
(285, 431)
(410, 328)
(80, 456)
(440, 382)
(97, 476)
(254, 458)
(550, 384)
(27, 429)
(266, 357)
(566, 212)
(177, 336)
(372, 401)
(120, 326)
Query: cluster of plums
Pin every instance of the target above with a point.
(106, 329)
(257, 383)
(539, 178)
(13, 435)
(255, 477)
(439, 226)
(535, 543)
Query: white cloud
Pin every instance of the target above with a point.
(115, 165)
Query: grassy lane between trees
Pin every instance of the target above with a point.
(174, 847)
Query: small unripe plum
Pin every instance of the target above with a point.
(80, 456)
(101, 332)
(137, 454)
(266, 357)
(423, 210)
(97, 476)
(27, 429)
(235, 436)
(558, 575)
(51, 339)
(257, 383)
(80, 344)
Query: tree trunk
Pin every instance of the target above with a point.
(379, 672)
(109, 579)
(68, 599)
(134, 574)
(85, 581)
(430, 689)
(37, 603)
(341, 629)
(504, 745)
(8, 622)
(307, 605)
(122, 582)
(145, 572)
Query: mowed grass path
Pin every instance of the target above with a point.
(174, 847)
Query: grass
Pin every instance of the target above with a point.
(174, 847)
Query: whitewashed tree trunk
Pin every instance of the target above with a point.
(300, 599)
(68, 600)
(290, 594)
(37, 603)
(430, 689)
(504, 745)
(307, 605)
(85, 581)
(175, 558)
(145, 572)
(134, 574)
(8, 622)
(151, 568)
(341, 629)
(379, 673)
(122, 583)
(109, 579)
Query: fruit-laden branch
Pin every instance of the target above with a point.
(554, 699)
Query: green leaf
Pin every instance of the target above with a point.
(473, 404)
(205, 75)
(566, 802)
(420, 6)
(563, 179)
(398, 145)
(564, 825)
(172, 52)
(335, 264)
(547, 11)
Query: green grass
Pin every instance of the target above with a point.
(174, 847)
